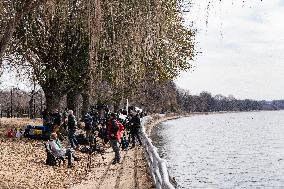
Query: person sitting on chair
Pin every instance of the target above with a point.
(58, 151)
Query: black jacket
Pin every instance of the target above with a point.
(72, 123)
(135, 123)
(56, 117)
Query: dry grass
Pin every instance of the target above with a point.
(23, 162)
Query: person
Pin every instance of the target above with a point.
(114, 132)
(58, 151)
(123, 142)
(44, 115)
(95, 118)
(72, 127)
(56, 120)
(63, 127)
(135, 125)
(65, 118)
(88, 120)
(103, 134)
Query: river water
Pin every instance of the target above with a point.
(231, 150)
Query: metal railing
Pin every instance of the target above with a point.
(157, 166)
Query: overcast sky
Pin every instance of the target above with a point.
(242, 49)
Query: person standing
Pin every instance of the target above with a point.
(88, 120)
(114, 132)
(135, 126)
(65, 118)
(44, 115)
(56, 120)
(72, 127)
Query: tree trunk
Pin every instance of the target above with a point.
(52, 100)
(86, 102)
(73, 102)
(116, 102)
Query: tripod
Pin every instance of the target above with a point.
(93, 148)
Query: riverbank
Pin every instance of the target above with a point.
(23, 166)
(23, 163)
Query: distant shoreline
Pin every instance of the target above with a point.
(160, 118)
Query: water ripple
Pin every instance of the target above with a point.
(234, 150)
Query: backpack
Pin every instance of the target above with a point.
(124, 143)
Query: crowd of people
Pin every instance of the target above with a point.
(115, 129)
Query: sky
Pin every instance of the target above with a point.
(13, 79)
(242, 49)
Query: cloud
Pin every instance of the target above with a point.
(242, 47)
(281, 3)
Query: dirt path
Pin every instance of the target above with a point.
(130, 173)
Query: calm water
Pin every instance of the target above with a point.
(233, 150)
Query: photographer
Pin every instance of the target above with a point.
(72, 127)
(88, 120)
(135, 126)
(114, 132)
(55, 121)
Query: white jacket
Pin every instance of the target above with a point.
(56, 148)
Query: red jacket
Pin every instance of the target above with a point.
(111, 130)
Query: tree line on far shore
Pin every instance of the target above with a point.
(205, 102)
